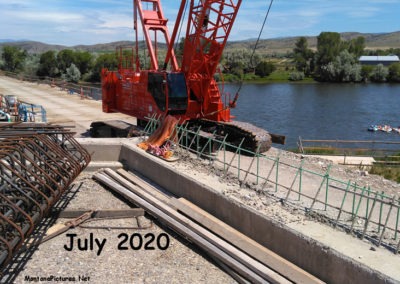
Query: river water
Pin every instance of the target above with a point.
(319, 111)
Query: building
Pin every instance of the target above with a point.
(375, 60)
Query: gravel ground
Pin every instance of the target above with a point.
(181, 262)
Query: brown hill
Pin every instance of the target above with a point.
(266, 46)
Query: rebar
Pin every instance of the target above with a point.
(38, 162)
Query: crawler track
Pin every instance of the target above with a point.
(255, 138)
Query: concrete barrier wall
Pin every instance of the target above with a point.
(307, 253)
(102, 150)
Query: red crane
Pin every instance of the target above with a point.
(187, 91)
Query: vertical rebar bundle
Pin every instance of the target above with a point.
(38, 162)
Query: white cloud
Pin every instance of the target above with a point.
(88, 21)
(53, 17)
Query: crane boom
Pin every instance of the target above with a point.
(153, 20)
(208, 28)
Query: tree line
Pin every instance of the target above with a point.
(334, 60)
(67, 64)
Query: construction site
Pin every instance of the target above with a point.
(330, 221)
(148, 180)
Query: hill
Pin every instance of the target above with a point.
(266, 46)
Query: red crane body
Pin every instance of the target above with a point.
(188, 91)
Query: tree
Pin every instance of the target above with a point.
(348, 69)
(84, 61)
(264, 69)
(65, 58)
(356, 46)
(236, 69)
(394, 72)
(329, 46)
(73, 74)
(343, 69)
(366, 72)
(379, 73)
(31, 64)
(296, 76)
(13, 58)
(108, 61)
(48, 65)
(302, 56)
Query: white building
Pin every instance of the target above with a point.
(375, 60)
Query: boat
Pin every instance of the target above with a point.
(373, 128)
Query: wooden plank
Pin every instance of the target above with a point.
(111, 213)
(241, 241)
(233, 252)
(180, 228)
(155, 192)
(135, 179)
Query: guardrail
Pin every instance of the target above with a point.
(354, 207)
(83, 90)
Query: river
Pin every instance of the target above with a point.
(319, 111)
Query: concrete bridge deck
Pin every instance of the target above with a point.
(329, 254)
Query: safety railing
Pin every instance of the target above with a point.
(352, 206)
(31, 113)
(82, 90)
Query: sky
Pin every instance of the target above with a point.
(74, 22)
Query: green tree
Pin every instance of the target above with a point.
(65, 58)
(237, 69)
(348, 69)
(13, 58)
(84, 61)
(394, 72)
(302, 56)
(356, 46)
(343, 69)
(329, 46)
(379, 73)
(366, 72)
(31, 64)
(264, 69)
(108, 61)
(48, 65)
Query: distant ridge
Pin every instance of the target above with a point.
(266, 46)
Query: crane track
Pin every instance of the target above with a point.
(255, 138)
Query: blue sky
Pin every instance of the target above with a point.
(73, 22)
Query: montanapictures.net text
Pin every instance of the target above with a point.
(54, 278)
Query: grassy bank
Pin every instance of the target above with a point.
(278, 76)
(388, 172)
